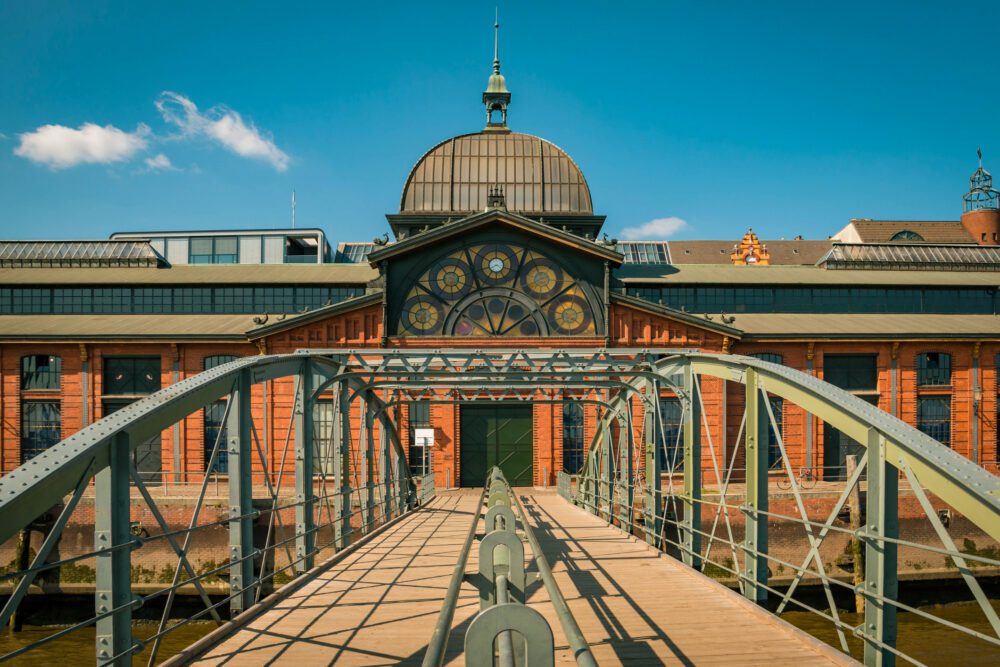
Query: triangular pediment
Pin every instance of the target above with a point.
(496, 218)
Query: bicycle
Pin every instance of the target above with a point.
(804, 478)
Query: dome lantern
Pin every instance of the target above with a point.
(496, 97)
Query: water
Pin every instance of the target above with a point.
(77, 648)
(924, 639)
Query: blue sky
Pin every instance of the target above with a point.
(789, 118)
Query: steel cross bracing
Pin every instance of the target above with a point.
(672, 516)
(366, 464)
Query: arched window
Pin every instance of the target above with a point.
(572, 437)
(906, 235)
(933, 369)
(40, 371)
(215, 427)
(41, 417)
(498, 289)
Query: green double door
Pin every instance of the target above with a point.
(496, 435)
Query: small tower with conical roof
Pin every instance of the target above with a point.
(496, 97)
(981, 207)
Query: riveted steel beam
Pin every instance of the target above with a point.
(691, 523)
(880, 585)
(755, 572)
(113, 543)
(241, 512)
(305, 522)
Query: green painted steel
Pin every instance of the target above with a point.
(113, 541)
(500, 549)
(755, 545)
(690, 525)
(305, 523)
(510, 617)
(881, 521)
(496, 434)
(241, 511)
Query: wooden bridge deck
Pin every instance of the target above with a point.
(378, 606)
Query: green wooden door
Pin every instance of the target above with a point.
(500, 435)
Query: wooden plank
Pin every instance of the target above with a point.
(636, 606)
(379, 605)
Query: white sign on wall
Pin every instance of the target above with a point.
(423, 437)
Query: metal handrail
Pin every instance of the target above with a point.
(435, 654)
(434, 657)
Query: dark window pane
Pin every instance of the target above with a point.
(41, 371)
(934, 417)
(851, 372)
(41, 427)
(215, 430)
(669, 445)
(131, 375)
(573, 452)
(933, 369)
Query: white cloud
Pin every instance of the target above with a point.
(159, 162)
(223, 126)
(658, 229)
(61, 147)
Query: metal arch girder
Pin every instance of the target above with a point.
(967, 487)
(43, 481)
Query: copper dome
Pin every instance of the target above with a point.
(538, 177)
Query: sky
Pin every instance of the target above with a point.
(690, 120)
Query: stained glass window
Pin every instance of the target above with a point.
(497, 289)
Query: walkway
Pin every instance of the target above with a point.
(378, 606)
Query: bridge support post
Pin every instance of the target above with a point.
(305, 522)
(691, 523)
(653, 503)
(114, 568)
(241, 512)
(342, 471)
(606, 475)
(385, 471)
(755, 572)
(368, 433)
(882, 521)
(626, 446)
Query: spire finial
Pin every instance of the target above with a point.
(496, 43)
(497, 97)
(979, 152)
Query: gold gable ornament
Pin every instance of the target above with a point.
(750, 251)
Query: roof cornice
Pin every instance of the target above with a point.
(674, 314)
(338, 308)
(513, 220)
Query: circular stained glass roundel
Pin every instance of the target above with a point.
(496, 264)
(422, 315)
(541, 278)
(450, 279)
(570, 315)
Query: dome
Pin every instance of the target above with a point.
(538, 177)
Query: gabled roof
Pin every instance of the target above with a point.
(73, 254)
(433, 237)
(782, 252)
(912, 257)
(293, 321)
(672, 313)
(883, 231)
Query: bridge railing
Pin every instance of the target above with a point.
(286, 507)
(717, 505)
(517, 633)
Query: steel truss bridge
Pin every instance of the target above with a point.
(376, 557)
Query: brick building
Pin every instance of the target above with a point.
(496, 243)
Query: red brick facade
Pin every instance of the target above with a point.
(973, 413)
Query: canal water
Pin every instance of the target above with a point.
(77, 648)
(926, 640)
